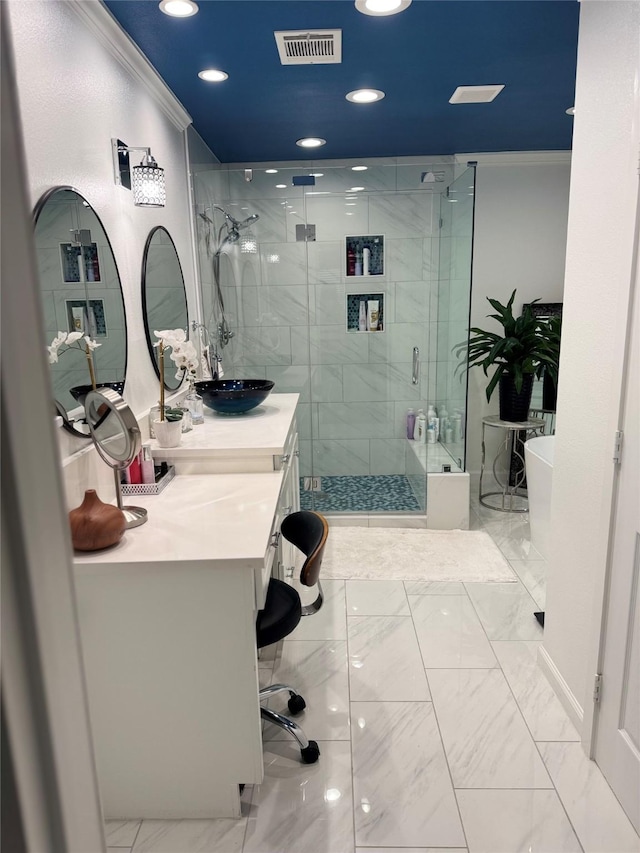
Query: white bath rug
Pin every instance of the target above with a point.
(379, 553)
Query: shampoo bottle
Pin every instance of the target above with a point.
(362, 317)
(420, 430)
(411, 423)
(366, 257)
(358, 267)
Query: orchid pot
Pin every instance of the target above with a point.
(168, 432)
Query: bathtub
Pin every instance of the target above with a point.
(538, 454)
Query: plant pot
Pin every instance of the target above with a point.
(168, 433)
(549, 393)
(514, 406)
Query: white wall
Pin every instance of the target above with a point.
(604, 183)
(519, 243)
(76, 91)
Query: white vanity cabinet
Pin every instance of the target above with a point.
(264, 439)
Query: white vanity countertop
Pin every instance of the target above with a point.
(214, 519)
(262, 431)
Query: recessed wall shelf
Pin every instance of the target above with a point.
(353, 312)
(356, 263)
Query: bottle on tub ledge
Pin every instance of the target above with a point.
(411, 423)
(420, 429)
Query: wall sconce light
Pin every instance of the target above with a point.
(146, 180)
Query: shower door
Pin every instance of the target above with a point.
(332, 244)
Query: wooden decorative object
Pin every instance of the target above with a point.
(94, 524)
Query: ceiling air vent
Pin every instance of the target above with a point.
(314, 47)
(475, 94)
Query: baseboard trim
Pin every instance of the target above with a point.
(561, 688)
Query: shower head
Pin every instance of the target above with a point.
(248, 221)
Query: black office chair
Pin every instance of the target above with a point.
(283, 610)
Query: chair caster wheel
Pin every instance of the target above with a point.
(296, 704)
(311, 753)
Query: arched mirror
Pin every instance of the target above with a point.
(81, 292)
(164, 299)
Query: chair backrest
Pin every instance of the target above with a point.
(308, 531)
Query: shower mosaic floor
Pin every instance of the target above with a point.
(390, 493)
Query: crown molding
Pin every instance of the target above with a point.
(97, 18)
(517, 158)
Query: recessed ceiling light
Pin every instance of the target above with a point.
(213, 75)
(571, 111)
(178, 8)
(475, 94)
(350, 204)
(382, 7)
(355, 189)
(359, 168)
(316, 174)
(281, 186)
(311, 142)
(271, 171)
(364, 96)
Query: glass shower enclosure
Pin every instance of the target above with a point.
(350, 288)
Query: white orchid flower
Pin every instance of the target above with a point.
(91, 344)
(53, 354)
(72, 337)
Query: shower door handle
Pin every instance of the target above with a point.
(416, 366)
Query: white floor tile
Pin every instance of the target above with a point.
(434, 588)
(317, 669)
(306, 808)
(516, 545)
(385, 664)
(449, 632)
(118, 850)
(411, 850)
(541, 709)
(330, 622)
(597, 816)
(533, 575)
(121, 833)
(505, 610)
(486, 740)
(376, 598)
(516, 822)
(190, 836)
(402, 789)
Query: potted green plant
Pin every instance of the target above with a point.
(519, 354)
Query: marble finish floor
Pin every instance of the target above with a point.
(438, 731)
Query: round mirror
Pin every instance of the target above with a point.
(164, 299)
(81, 293)
(116, 435)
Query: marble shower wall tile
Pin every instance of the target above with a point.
(425, 813)
(384, 660)
(318, 671)
(291, 379)
(326, 383)
(396, 343)
(302, 807)
(379, 383)
(412, 301)
(594, 811)
(387, 455)
(328, 305)
(333, 345)
(541, 709)
(267, 345)
(449, 632)
(275, 306)
(403, 259)
(326, 264)
(340, 457)
(329, 215)
(505, 610)
(486, 740)
(505, 821)
(290, 268)
(399, 215)
(354, 420)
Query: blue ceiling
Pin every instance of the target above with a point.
(418, 57)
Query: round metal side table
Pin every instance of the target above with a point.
(513, 445)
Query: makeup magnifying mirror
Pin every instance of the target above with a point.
(116, 435)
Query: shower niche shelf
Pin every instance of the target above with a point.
(353, 312)
(354, 256)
